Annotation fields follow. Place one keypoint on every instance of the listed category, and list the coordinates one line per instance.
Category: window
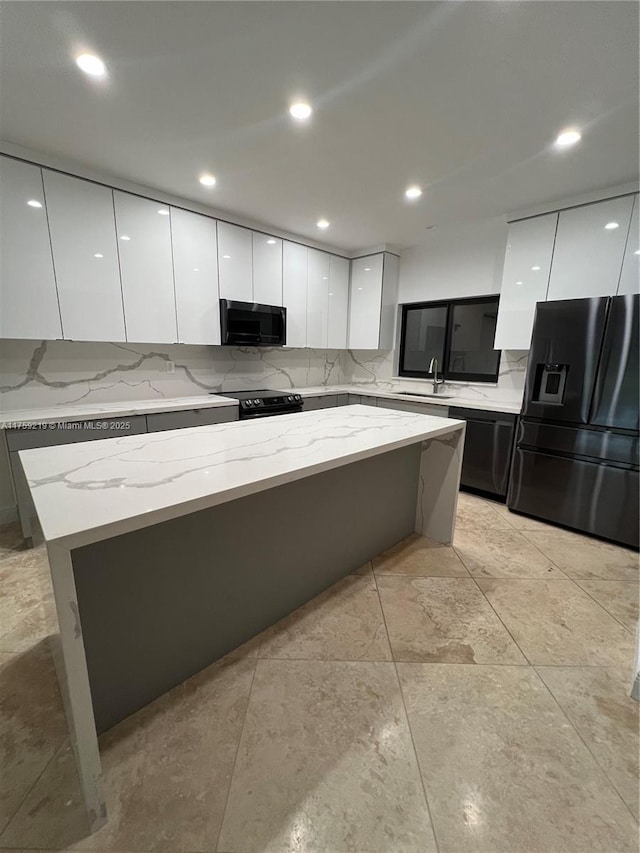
(459, 333)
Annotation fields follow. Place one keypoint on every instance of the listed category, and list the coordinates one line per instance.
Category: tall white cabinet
(28, 296)
(374, 294)
(338, 309)
(590, 242)
(146, 267)
(85, 257)
(630, 275)
(318, 268)
(267, 269)
(195, 269)
(525, 279)
(235, 262)
(294, 292)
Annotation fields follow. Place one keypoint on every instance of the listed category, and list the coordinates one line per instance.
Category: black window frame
(447, 375)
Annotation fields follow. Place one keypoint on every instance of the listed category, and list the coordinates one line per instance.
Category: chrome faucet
(433, 369)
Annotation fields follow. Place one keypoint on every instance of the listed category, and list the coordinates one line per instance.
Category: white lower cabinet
(85, 257)
(318, 268)
(195, 269)
(525, 279)
(337, 320)
(630, 275)
(294, 292)
(267, 269)
(146, 268)
(235, 262)
(28, 296)
(589, 249)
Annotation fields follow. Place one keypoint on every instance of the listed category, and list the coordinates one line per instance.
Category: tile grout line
(583, 741)
(482, 592)
(605, 580)
(406, 715)
(235, 757)
(28, 792)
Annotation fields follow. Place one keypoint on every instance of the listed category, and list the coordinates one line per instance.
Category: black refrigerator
(575, 458)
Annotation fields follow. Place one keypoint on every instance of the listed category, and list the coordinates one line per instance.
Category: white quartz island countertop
(93, 490)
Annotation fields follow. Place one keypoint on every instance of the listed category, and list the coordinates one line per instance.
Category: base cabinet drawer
(416, 408)
(326, 401)
(49, 435)
(160, 421)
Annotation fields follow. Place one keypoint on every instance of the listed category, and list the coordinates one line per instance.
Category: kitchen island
(168, 550)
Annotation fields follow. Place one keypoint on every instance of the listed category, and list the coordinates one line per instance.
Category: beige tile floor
(472, 699)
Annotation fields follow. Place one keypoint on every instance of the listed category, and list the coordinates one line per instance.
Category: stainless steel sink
(432, 396)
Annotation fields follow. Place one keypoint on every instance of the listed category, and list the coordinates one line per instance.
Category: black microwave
(253, 325)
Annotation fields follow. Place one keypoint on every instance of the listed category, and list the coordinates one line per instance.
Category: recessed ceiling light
(207, 180)
(196, 269)
(567, 138)
(98, 255)
(163, 212)
(331, 294)
(535, 269)
(359, 288)
(226, 257)
(367, 269)
(33, 203)
(518, 282)
(637, 252)
(325, 277)
(271, 242)
(611, 226)
(91, 64)
(413, 192)
(125, 237)
(322, 223)
(300, 111)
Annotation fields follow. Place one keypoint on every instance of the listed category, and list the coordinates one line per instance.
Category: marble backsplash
(39, 374)
(51, 373)
(377, 368)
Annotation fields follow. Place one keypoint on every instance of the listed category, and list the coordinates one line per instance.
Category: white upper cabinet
(195, 270)
(294, 292)
(630, 276)
(366, 302)
(28, 296)
(525, 279)
(338, 303)
(267, 269)
(146, 269)
(85, 257)
(589, 249)
(318, 267)
(235, 262)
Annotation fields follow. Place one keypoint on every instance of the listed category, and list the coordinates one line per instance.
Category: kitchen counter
(86, 411)
(168, 550)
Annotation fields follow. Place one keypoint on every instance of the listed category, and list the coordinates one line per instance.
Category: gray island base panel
(145, 602)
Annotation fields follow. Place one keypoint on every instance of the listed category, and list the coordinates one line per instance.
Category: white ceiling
(464, 98)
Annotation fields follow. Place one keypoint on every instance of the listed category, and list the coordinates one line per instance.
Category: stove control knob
(298, 398)
(290, 398)
(257, 402)
(249, 403)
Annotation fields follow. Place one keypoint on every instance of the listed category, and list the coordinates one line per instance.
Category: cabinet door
(366, 301)
(317, 298)
(267, 269)
(326, 401)
(338, 303)
(630, 276)
(28, 299)
(294, 292)
(85, 256)
(525, 279)
(195, 269)
(235, 262)
(146, 269)
(587, 258)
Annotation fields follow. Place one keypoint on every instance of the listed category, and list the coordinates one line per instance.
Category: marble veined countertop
(93, 490)
(129, 408)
